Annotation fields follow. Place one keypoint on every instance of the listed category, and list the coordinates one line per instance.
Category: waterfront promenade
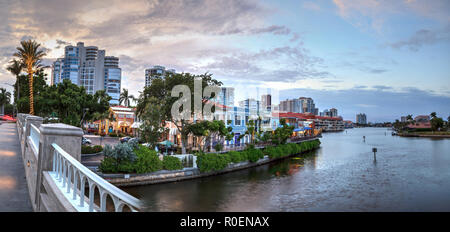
(14, 196)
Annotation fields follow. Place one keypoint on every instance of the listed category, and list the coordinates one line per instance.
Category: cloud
(280, 63)
(373, 14)
(179, 34)
(274, 29)
(381, 87)
(423, 37)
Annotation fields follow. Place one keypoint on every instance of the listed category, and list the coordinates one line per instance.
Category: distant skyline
(379, 57)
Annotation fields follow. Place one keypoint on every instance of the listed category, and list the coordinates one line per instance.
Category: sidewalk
(14, 196)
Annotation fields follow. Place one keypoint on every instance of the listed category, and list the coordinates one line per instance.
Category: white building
(155, 72)
(90, 68)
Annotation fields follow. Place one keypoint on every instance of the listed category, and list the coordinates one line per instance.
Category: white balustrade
(34, 137)
(71, 176)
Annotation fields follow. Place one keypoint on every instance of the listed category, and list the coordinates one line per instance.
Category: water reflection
(411, 174)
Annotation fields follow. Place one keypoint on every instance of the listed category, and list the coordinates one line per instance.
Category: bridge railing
(71, 177)
(34, 137)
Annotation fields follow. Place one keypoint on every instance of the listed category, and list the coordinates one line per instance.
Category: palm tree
(5, 97)
(124, 97)
(433, 115)
(16, 68)
(30, 55)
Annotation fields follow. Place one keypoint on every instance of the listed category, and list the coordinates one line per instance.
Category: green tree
(30, 55)
(5, 98)
(205, 131)
(436, 123)
(152, 127)
(282, 134)
(125, 97)
(433, 114)
(161, 89)
(15, 67)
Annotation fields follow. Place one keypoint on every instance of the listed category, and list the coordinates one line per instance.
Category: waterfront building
(333, 112)
(422, 118)
(266, 102)
(89, 67)
(156, 72)
(123, 120)
(361, 119)
(312, 122)
(299, 105)
(348, 124)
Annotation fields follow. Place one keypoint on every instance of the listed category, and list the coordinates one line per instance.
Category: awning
(298, 129)
(124, 123)
(173, 131)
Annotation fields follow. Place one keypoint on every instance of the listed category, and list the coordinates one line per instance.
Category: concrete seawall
(165, 176)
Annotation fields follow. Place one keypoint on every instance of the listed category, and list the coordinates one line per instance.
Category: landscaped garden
(132, 157)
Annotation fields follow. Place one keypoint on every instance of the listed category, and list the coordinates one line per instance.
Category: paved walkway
(14, 196)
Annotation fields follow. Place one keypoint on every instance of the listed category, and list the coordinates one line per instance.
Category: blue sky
(384, 58)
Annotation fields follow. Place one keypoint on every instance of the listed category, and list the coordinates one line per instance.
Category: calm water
(411, 174)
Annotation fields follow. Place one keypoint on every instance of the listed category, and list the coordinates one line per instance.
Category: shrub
(147, 160)
(218, 147)
(97, 148)
(171, 163)
(86, 149)
(272, 152)
(108, 165)
(91, 149)
(235, 156)
(121, 152)
(254, 154)
(112, 134)
(133, 143)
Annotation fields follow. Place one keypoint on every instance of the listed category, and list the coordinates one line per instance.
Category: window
(237, 120)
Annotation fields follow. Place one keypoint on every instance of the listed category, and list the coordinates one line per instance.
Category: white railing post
(105, 189)
(29, 119)
(68, 138)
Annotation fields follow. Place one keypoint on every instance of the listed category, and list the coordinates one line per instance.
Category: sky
(385, 58)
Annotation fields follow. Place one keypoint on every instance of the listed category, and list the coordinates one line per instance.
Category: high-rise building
(361, 119)
(90, 68)
(299, 105)
(266, 102)
(57, 68)
(333, 112)
(251, 104)
(155, 72)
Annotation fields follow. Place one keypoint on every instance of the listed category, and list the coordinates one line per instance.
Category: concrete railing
(56, 179)
(68, 174)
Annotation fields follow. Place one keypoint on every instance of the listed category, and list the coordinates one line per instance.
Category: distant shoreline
(423, 135)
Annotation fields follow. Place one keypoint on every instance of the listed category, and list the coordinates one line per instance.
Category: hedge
(171, 163)
(91, 149)
(215, 162)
